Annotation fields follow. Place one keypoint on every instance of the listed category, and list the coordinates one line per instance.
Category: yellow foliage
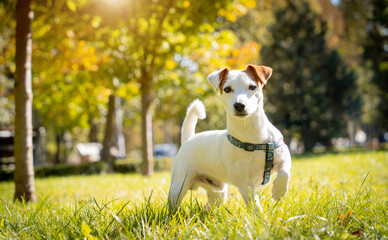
(186, 4)
(170, 64)
(248, 3)
(234, 10)
(129, 89)
(241, 56)
(79, 55)
(81, 44)
(71, 5)
(42, 31)
(174, 76)
(143, 26)
(106, 92)
(96, 21)
(74, 67)
(206, 28)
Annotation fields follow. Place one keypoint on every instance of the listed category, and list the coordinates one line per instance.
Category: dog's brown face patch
(223, 77)
(253, 77)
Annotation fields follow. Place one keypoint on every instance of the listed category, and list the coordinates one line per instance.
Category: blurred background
(112, 79)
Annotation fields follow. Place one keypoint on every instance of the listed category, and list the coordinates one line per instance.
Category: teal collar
(251, 146)
(268, 147)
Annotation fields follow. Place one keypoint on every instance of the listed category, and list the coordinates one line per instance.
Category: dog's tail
(196, 110)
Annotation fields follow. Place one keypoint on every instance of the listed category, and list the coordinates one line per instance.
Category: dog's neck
(252, 129)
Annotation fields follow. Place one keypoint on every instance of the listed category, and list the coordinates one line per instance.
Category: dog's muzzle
(239, 109)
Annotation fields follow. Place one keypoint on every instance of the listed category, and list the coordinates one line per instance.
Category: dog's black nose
(239, 107)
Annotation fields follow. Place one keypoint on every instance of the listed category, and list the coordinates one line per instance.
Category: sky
(335, 2)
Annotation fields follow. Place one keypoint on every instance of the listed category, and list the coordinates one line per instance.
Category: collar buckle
(248, 147)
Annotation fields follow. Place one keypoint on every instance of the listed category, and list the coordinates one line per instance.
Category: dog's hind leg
(180, 184)
(216, 196)
(250, 198)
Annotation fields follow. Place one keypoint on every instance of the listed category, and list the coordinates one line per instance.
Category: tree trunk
(23, 145)
(108, 138)
(93, 131)
(59, 142)
(119, 138)
(147, 167)
(352, 131)
(307, 140)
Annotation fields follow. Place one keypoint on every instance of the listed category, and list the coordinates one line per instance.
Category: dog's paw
(279, 189)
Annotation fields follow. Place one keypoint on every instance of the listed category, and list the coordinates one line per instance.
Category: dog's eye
(228, 89)
(252, 87)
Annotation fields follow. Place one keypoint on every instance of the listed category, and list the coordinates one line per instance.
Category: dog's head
(241, 90)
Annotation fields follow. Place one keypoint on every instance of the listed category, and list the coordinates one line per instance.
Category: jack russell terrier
(242, 155)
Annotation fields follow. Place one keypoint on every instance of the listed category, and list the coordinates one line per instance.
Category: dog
(243, 155)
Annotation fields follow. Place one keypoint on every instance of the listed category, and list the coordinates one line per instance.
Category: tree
(355, 16)
(311, 88)
(363, 47)
(23, 146)
(7, 54)
(155, 32)
(80, 47)
(376, 55)
(108, 136)
(350, 46)
(71, 83)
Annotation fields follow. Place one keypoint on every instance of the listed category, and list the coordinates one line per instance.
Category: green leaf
(85, 229)
(71, 5)
(42, 31)
(96, 21)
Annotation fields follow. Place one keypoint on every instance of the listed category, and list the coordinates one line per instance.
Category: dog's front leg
(280, 185)
(250, 198)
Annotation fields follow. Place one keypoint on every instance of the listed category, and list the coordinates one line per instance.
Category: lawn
(331, 196)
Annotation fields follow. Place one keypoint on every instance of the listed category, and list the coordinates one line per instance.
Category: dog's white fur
(209, 160)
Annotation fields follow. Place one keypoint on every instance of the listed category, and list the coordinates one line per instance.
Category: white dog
(242, 155)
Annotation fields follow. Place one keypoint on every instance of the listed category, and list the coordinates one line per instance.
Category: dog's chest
(245, 168)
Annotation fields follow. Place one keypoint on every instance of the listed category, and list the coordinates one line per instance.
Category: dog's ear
(260, 73)
(218, 78)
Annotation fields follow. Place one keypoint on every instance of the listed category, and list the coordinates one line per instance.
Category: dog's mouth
(241, 114)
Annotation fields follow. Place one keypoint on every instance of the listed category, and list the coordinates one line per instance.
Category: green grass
(331, 196)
